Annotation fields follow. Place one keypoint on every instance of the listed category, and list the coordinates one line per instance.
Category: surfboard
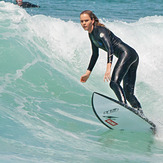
(118, 116)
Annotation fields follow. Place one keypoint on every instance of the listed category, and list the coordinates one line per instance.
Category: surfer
(25, 4)
(126, 65)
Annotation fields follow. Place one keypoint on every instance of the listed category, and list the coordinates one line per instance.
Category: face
(86, 22)
(18, 1)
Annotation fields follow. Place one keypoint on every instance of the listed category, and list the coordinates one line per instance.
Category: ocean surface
(45, 111)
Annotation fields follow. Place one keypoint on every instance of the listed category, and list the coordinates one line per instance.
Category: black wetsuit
(28, 5)
(125, 68)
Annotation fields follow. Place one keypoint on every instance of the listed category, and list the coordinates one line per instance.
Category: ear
(93, 21)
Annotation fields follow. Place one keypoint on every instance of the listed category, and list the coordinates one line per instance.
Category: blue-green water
(45, 112)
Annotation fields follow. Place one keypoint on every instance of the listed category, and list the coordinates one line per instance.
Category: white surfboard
(118, 116)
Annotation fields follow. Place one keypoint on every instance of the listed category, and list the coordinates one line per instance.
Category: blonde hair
(93, 16)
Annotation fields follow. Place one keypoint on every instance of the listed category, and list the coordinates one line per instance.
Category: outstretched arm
(95, 54)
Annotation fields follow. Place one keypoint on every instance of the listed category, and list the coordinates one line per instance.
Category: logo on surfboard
(110, 119)
(111, 111)
(111, 122)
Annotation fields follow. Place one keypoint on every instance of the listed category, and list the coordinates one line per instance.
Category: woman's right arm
(94, 57)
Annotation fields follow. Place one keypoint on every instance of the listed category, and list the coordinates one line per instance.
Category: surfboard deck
(118, 116)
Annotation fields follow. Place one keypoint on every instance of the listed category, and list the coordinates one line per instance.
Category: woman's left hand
(107, 76)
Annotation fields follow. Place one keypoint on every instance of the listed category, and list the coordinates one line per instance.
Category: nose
(83, 22)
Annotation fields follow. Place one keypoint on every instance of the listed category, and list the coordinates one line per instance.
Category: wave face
(45, 112)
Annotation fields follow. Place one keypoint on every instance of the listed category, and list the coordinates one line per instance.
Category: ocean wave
(42, 59)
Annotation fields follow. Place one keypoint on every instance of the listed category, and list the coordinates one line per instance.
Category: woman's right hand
(84, 77)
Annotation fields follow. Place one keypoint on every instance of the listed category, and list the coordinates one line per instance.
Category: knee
(113, 84)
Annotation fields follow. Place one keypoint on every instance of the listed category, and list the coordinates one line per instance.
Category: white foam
(63, 113)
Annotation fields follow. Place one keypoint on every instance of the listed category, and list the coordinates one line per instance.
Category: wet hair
(92, 16)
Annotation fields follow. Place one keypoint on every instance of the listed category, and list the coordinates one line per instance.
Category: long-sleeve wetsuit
(125, 68)
(28, 5)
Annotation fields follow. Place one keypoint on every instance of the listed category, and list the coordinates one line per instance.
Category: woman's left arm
(105, 38)
(108, 46)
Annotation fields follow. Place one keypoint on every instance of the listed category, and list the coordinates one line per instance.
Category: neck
(89, 31)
